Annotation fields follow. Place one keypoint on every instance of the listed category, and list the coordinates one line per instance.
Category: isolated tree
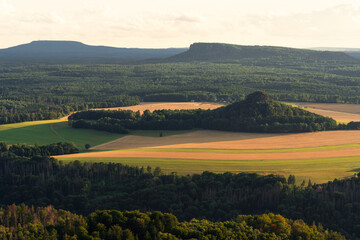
(87, 146)
(291, 179)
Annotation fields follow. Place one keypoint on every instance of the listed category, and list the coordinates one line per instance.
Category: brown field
(339, 112)
(151, 106)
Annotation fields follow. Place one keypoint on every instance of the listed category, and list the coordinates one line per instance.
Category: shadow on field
(196, 137)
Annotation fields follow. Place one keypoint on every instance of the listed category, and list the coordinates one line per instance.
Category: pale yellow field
(206, 139)
(152, 106)
(321, 156)
(339, 112)
(235, 140)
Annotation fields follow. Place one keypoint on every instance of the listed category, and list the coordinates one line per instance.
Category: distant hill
(218, 52)
(70, 51)
(77, 52)
(353, 52)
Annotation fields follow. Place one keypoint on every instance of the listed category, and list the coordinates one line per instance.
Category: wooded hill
(257, 113)
(218, 52)
(67, 52)
(36, 91)
(23, 222)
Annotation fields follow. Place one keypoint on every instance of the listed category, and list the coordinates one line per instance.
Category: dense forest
(257, 113)
(25, 150)
(34, 92)
(86, 187)
(23, 222)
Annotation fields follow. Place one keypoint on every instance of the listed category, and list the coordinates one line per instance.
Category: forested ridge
(221, 52)
(35, 92)
(23, 222)
(86, 187)
(257, 113)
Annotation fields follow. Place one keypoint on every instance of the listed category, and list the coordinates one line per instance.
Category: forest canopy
(24, 222)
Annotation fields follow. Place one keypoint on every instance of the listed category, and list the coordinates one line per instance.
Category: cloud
(188, 18)
(6, 7)
(337, 25)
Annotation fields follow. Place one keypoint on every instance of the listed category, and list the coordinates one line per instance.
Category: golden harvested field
(224, 156)
(321, 156)
(337, 107)
(151, 106)
(339, 112)
(235, 140)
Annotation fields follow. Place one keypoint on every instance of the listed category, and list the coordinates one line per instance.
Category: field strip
(210, 150)
(219, 155)
(4, 127)
(336, 107)
(342, 113)
(152, 106)
(209, 139)
(318, 169)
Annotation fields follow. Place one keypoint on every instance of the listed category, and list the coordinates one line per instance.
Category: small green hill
(218, 52)
(257, 113)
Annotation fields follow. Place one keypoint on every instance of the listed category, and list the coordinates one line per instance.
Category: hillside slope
(71, 50)
(218, 52)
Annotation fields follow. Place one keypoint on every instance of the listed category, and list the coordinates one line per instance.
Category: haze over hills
(354, 52)
(77, 51)
(217, 52)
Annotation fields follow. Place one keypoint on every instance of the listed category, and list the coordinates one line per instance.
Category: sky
(166, 23)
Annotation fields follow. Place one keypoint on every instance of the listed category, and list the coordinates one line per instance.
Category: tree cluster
(23, 222)
(25, 150)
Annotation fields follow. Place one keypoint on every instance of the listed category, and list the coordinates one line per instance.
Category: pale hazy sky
(169, 23)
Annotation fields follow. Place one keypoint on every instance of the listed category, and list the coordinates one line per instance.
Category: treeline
(13, 111)
(86, 187)
(23, 222)
(25, 150)
(257, 113)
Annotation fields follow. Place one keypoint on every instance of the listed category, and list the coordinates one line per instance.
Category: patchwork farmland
(320, 156)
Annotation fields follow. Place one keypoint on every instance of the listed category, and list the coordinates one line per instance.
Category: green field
(46, 132)
(156, 133)
(53, 131)
(318, 170)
